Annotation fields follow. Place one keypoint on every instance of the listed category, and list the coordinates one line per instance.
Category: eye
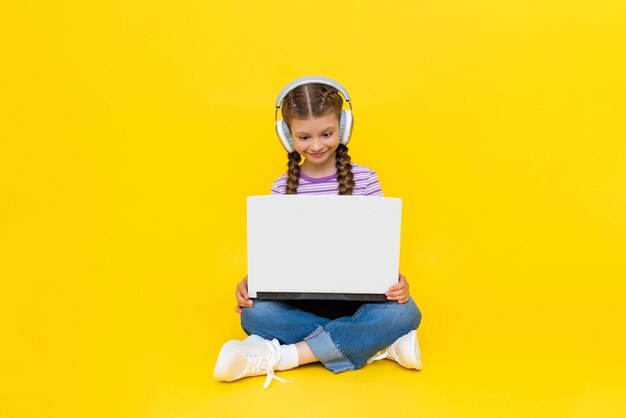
(303, 138)
(328, 134)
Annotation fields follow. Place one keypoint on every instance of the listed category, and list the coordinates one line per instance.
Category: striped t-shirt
(365, 183)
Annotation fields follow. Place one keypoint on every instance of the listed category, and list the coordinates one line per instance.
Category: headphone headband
(310, 80)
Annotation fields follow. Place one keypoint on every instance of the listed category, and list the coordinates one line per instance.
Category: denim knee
(258, 314)
(407, 315)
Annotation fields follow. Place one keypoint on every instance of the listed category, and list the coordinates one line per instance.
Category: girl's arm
(399, 291)
(242, 295)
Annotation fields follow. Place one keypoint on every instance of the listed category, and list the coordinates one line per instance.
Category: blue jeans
(341, 344)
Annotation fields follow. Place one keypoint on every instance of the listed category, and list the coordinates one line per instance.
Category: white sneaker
(405, 350)
(253, 356)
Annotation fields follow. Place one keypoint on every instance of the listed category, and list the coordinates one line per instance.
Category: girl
(342, 335)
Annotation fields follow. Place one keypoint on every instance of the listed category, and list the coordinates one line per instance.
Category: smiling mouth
(318, 154)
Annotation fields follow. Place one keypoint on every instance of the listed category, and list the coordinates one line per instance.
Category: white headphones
(346, 120)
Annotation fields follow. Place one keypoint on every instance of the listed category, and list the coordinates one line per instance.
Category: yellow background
(131, 133)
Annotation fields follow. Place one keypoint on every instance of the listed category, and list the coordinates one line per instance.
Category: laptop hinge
(363, 297)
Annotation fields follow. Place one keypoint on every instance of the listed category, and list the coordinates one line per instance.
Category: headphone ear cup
(346, 120)
(284, 134)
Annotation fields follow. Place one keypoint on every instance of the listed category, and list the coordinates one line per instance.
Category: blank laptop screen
(323, 247)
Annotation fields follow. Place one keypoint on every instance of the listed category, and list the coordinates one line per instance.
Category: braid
(293, 173)
(311, 100)
(328, 99)
(345, 178)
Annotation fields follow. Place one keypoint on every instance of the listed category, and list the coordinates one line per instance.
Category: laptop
(323, 247)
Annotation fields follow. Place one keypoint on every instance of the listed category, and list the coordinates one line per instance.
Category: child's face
(316, 139)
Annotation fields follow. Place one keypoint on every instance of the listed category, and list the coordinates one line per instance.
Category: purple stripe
(318, 179)
(366, 183)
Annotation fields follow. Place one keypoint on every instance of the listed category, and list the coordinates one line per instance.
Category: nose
(317, 145)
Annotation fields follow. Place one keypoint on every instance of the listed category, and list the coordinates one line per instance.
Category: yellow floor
(493, 368)
(156, 360)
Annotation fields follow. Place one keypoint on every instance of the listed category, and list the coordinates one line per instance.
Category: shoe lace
(259, 363)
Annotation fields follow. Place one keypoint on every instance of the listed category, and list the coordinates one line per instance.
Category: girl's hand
(400, 291)
(242, 295)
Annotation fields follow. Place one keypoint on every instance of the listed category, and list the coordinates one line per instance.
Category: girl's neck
(317, 170)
